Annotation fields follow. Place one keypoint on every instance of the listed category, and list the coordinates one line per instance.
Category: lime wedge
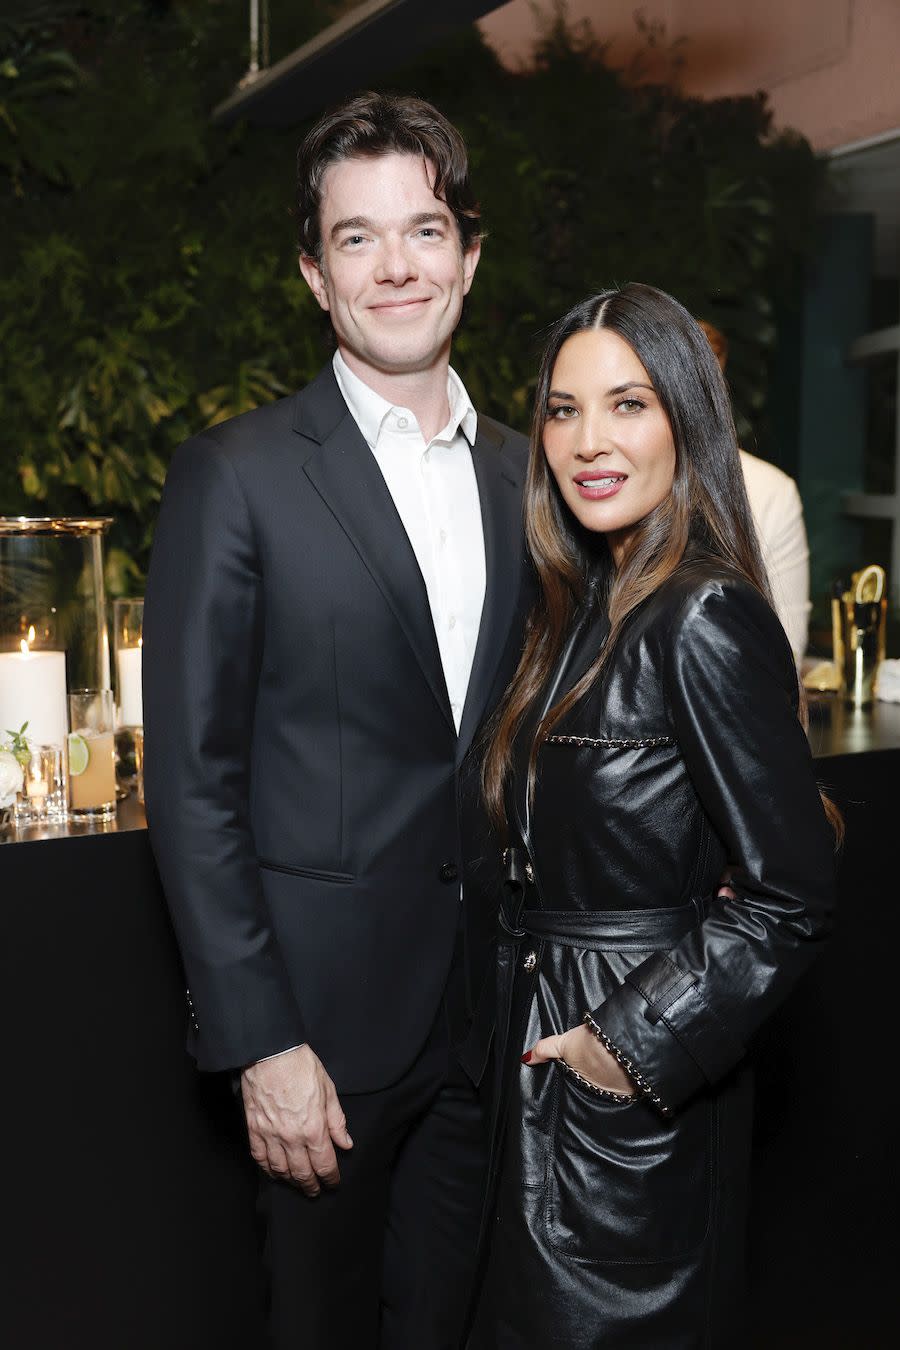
(79, 754)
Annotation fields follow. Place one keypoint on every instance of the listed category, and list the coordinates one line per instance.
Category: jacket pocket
(624, 1186)
(315, 873)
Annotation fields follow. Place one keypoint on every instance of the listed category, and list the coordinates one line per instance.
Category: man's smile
(400, 306)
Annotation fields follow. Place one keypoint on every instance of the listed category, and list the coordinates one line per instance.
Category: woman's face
(607, 440)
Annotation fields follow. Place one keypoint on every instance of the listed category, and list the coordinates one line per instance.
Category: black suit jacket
(302, 767)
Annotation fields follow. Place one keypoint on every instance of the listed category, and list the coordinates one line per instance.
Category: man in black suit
(335, 603)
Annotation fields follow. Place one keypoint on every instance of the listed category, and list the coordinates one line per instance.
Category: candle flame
(30, 634)
(24, 647)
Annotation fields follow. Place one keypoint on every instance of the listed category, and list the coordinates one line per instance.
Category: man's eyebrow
(416, 221)
(351, 223)
(426, 217)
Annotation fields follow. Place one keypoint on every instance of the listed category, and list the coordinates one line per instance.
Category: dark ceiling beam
(370, 40)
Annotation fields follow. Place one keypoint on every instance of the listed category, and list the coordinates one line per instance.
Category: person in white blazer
(778, 517)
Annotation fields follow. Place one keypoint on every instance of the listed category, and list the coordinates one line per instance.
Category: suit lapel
(346, 475)
(500, 493)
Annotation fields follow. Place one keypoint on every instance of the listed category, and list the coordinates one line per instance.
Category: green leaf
(31, 482)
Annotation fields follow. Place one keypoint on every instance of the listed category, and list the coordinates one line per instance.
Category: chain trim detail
(647, 742)
(643, 1087)
(621, 1098)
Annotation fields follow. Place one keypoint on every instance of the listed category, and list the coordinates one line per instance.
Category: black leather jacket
(622, 1225)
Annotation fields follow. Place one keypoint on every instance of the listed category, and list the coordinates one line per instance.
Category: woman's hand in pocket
(582, 1051)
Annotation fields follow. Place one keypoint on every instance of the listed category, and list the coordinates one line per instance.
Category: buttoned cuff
(664, 1029)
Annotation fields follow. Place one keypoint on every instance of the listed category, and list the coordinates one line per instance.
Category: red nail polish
(526, 1058)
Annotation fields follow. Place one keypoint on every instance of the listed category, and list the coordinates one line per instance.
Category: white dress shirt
(778, 517)
(436, 495)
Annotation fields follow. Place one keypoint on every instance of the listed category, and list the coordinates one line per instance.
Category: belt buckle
(516, 934)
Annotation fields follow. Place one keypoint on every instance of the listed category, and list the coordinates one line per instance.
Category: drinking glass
(92, 754)
(139, 762)
(44, 793)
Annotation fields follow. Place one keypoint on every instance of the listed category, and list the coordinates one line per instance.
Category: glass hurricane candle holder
(53, 633)
(128, 642)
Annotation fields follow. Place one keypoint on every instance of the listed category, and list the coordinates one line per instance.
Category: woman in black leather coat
(649, 741)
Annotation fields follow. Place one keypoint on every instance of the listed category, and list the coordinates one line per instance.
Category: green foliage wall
(149, 282)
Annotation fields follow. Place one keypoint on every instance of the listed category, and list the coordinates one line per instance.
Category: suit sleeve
(682, 1019)
(203, 631)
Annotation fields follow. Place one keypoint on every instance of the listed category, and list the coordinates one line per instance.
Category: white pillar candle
(33, 690)
(131, 693)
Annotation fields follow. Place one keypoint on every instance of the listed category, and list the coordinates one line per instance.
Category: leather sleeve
(685, 1017)
(203, 627)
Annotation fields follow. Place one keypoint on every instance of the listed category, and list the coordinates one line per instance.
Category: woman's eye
(630, 404)
(562, 412)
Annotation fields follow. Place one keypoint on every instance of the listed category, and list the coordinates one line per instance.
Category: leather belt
(598, 929)
(610, 929)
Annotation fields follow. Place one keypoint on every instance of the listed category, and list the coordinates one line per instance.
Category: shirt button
(452, 621)
(402, 423)
(443, 536)
(448, 872)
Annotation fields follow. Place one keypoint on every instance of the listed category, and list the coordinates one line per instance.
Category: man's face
(393, 275)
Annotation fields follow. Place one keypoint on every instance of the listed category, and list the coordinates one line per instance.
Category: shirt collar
(369, 409)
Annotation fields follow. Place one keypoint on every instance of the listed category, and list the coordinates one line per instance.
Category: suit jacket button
(449, 872)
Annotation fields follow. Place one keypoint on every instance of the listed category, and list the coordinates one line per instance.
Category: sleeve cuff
(644, 1089)
(278, 1053)
(662, 1027)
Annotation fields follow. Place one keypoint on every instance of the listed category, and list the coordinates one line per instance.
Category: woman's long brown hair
(706, 515)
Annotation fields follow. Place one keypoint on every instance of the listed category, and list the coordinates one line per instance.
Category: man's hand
(294, 1119)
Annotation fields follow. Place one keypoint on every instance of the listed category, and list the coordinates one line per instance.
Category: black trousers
(386, 1260)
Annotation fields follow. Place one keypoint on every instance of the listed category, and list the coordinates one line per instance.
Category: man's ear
(312, 275)
(470, 262)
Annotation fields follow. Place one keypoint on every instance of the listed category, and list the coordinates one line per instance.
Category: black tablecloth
(128, 1194)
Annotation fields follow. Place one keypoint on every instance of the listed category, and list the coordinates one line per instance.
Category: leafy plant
(31, 76)
(19, 746)
(149, 284)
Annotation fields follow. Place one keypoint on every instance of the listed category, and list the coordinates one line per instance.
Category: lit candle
(33, 690)
(131, 693)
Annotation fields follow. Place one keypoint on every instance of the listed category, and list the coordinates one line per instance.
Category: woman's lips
(600, 486)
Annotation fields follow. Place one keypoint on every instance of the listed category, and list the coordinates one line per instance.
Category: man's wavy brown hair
(370, 125)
